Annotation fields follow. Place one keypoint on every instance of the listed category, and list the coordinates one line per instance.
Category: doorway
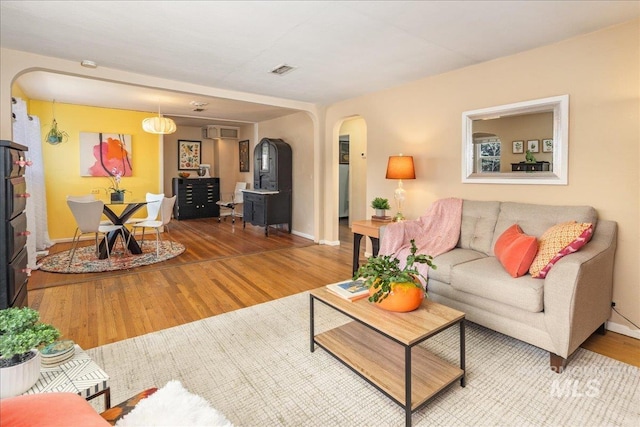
(343, 177)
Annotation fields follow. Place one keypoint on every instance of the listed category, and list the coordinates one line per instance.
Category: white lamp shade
(159, 125)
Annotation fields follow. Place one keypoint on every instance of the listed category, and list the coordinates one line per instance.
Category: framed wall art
(344, 152)
(533, 145)
(547, 145)
(189, 154)
(105, 154)
(243, 147)
(517, 147)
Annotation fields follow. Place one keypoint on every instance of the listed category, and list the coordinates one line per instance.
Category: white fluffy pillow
(173, 405)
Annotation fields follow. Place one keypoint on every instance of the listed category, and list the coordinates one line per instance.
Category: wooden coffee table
(380, 346)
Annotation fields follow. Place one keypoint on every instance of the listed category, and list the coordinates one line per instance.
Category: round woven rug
(85, 261)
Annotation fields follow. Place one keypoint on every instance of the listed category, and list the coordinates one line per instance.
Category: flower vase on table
(117, 193)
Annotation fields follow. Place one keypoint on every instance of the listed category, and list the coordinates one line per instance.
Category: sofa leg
(602, 330)
(557, 363)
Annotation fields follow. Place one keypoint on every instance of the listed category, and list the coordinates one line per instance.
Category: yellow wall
(62, 161)
(600, 72)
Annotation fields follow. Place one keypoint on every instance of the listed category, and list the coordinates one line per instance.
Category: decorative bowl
(184, 174)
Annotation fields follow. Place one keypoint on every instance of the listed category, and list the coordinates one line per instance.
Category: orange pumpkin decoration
(404, 297)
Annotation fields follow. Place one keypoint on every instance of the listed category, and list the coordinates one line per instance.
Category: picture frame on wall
(547, 145)
(517, 147)
(344, 153)
(189, 154)
(533, 145)
(243, 155)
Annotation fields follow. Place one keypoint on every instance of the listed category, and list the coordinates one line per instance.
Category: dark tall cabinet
(13, 226)
(269, 202)
(196, 197)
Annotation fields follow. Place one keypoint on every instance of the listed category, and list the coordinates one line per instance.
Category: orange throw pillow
(516, 250)
(558, 241)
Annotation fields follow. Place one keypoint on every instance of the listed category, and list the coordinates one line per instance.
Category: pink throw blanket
(435, 233)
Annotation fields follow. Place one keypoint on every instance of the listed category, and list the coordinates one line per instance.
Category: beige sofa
(557, 313)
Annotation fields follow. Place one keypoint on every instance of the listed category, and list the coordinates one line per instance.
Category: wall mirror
(522, 143)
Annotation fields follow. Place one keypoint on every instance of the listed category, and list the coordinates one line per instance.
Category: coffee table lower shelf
(381, 361)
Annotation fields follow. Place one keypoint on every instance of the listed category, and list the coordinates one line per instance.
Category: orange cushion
(49, 410)
(515, 250)
(558, 241)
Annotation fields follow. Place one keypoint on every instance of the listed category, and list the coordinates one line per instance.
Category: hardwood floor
(224, 268)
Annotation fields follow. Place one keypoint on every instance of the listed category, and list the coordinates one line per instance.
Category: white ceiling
(341, 49)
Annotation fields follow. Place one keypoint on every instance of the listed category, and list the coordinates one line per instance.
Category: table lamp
(400, 167)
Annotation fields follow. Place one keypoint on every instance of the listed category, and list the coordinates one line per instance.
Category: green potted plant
(394, 288)
(20, 335)
(56, 136)
(380, 205)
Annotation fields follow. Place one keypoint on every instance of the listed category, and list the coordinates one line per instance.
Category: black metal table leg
(357, 238)
(311, 326)
(463, 380)
(407, 385)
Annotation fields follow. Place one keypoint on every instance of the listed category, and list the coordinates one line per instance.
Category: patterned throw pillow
(515, 250)
(558, 241)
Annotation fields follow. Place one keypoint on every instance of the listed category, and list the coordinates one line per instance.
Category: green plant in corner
(20, 331)
(383, 272)
(380, 203)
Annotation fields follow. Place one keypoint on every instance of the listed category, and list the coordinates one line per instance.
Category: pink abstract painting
(102, 153)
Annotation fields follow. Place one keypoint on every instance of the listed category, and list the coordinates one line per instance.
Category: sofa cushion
(558, 241)
(536, 219)
(487, 278)
(478, 223)
(516, 250)
(448, 260)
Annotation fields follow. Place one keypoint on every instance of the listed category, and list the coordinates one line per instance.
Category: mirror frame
(559, 176)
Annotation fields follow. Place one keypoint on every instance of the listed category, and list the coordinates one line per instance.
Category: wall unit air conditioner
(220, 132)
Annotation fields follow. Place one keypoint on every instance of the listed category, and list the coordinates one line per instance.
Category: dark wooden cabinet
(269, 202)
(530, 167)
(196, 197)
(13, 226)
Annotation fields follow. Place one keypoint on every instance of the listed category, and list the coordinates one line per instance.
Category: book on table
(350, 290)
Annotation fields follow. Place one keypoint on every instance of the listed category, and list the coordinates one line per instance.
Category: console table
(530, 167)
(370, 228)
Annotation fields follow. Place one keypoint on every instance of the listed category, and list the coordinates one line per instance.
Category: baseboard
(623, 329)
(329, 242)
(306, 236)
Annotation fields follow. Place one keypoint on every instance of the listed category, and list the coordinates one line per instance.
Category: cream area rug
(255, 367)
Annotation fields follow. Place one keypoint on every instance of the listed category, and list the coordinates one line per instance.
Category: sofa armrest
(578, 289)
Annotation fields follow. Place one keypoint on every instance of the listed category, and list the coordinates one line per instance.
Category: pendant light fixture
(159, 125)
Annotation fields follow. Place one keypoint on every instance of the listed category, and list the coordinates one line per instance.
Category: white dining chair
(166, 210)
(87, 215)
(89, 198)
(153, 208)
(231, 205)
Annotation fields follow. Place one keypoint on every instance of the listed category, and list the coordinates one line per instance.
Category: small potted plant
(380, 205)
(117, 193)
(20, 335)
(391, 287)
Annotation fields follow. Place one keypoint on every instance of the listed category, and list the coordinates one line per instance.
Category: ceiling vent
(220, 132)
(282, 69)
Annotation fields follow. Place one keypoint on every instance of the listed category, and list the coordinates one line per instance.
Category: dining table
(131, 207)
